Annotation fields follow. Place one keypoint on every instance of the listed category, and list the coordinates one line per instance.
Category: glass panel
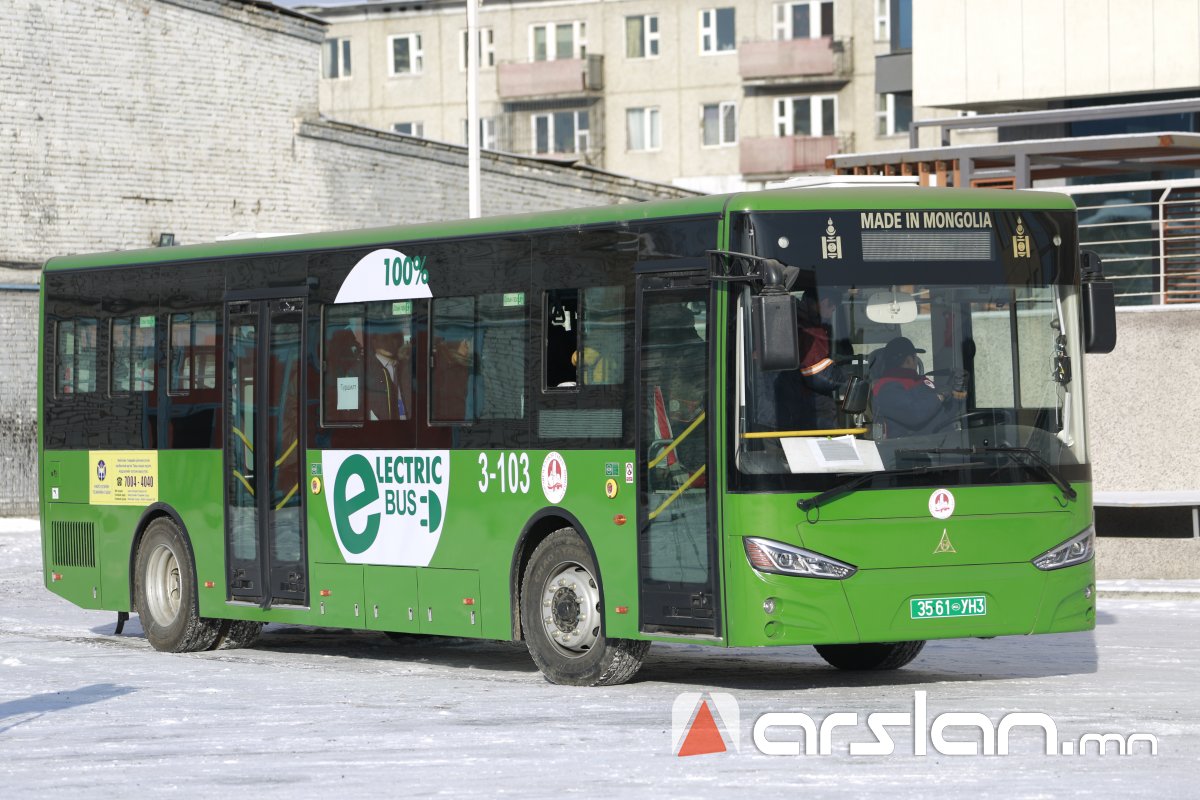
(729, 123)
(726, 32)
(242, 479)
(65, 358)
(85, 356)
(655, 129)
(387, 351)
(453, 358)
(802, 117)
(283, 418)
(828, 116)
(343, 365)
(674, 378)
(498, 376)
(564, 131)
(635, 128)
(826, 19)
(400, 55)
(601, 355)
(541, 133)
(903, 111)
(711, 124)
(120, 345)
(539, 43)
(330, 66)
(564, 39)
(635, 42)
(561, 339)
(345, 58)
(800, 21)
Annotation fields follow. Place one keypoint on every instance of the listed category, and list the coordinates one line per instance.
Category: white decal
(385, 275)
(941, 504)
(554, 477)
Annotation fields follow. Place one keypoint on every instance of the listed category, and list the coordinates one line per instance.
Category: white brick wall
(126, 118)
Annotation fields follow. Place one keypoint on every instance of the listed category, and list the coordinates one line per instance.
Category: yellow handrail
(287, 497)
(287, 452)
(793, 434)
(667, 450)
(675, 495)
(245, 482)
(245, 441)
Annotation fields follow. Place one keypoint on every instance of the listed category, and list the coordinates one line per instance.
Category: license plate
(939, 607)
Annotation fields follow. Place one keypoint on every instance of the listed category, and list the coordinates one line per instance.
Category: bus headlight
(1076, 550)
(783, 559)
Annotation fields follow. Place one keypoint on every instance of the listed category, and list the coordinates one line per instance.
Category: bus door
(677, 561)
(264, 452)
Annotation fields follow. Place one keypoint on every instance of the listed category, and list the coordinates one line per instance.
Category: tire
(237, 633)
(891, 655)
(560, 594)
(165, 592)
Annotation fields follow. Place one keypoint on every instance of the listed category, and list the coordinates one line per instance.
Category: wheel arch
(153, 512)
(536, 529)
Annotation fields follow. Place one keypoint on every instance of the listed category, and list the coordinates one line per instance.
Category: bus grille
(74, 544)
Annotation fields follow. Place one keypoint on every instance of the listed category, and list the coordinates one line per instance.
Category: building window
(487, 49)
(407, 56)
(900, 25)
(410, 128)
(644, 129)
(552, 41)
(893, 113)
(883, 20)
(719, 122)
(560, 132)
(487, 133)
(809, 19)
(815, 115)
(337, 58)
(641, 36)
(718, 32)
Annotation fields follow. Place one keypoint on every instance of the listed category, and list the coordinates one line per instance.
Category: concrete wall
(1143, 403)
(1025, 52)
(123, 119)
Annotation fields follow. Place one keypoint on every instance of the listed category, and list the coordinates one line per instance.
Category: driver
(907, 402)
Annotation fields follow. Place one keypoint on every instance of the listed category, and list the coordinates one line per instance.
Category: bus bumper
(874, 605)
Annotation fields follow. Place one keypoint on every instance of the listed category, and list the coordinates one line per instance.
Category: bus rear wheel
(889, 655)
(562, 618)
(165, 593)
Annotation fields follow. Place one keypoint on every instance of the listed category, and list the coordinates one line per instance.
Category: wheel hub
(571, 609)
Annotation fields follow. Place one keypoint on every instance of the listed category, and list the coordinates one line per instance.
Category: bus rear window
(75, 357)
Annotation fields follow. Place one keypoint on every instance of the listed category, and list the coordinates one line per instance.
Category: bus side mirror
(1099, 306)
(775, 321)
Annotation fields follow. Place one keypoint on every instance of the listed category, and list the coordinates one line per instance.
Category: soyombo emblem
(387, 507)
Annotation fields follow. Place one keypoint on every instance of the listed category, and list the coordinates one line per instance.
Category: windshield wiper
(1037, 463)
(847, 486)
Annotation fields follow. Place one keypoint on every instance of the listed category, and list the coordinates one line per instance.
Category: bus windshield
(978, 375)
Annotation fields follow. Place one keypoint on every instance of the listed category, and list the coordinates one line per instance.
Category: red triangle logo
(703, 737)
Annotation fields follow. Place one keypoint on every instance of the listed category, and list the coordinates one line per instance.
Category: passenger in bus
(385, 377)
(807, 398)
(906, 402)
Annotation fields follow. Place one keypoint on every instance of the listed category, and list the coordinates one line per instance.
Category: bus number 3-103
(511, 471)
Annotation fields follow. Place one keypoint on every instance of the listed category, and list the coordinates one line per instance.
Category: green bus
(843, 417)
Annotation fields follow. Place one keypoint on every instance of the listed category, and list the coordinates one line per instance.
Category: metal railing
(1148, 235)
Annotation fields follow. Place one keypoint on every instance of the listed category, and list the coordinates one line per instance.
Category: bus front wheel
(165, 593)
(562, 618)
(889, 655)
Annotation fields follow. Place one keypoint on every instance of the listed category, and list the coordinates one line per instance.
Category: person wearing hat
(907, 402)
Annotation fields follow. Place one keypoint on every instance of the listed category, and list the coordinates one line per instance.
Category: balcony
(778, 156)
(792, 62)
(565, 77)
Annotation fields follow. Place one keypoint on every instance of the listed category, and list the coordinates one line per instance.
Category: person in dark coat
(906, 402)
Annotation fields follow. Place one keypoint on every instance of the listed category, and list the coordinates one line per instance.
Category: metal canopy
(1022, 163)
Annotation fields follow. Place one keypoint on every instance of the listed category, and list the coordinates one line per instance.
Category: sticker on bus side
(387, 506)
(123, 477)
(385, 275)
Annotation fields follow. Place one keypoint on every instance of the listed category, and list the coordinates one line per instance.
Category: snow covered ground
(309, 713)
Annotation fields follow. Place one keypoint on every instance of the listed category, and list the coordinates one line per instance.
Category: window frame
(650, 115)
(59, 384)
(129, 357)
(416, 55)
(883, 20)
(582, 135)
(651, 39)
(487, 132)
(416, 129)
(712, 30)
(335, 58)
(487, 49)
(784, 123)
(193, 384)
(721, 140)
(782, 20)
(578, 40)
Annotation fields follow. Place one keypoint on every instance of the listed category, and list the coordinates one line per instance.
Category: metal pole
(473, 209)
(1162, 247)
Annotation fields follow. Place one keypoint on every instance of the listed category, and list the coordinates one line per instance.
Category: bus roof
(794, 199)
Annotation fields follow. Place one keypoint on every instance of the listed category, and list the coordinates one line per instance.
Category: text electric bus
(850, 418)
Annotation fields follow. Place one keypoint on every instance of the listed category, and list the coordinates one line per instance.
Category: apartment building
(713, 95)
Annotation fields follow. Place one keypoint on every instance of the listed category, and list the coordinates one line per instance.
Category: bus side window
(561, 339)
(343, 364)
(75, 356)
(600, 358)
(193, 364)
(479, 357)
